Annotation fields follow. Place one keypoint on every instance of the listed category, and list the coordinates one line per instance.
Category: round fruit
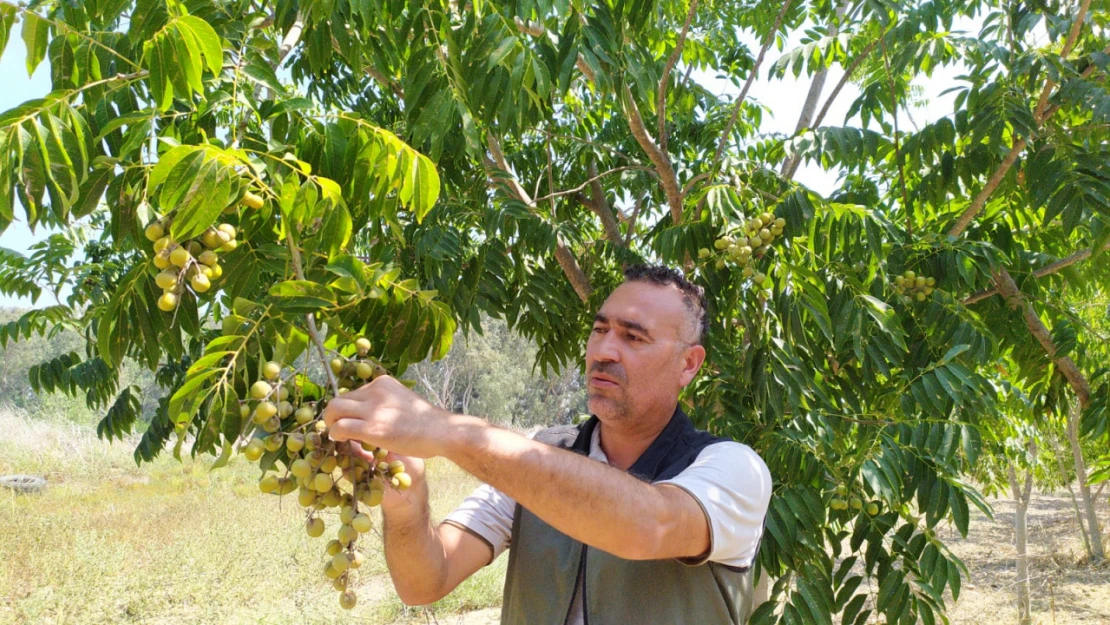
(362, 523)
(920, 296)
(362, 345)
(167, 302)
(268, 484)
(333, 548)
(166, 280)
(261, 390)
(336, 365)
(273, 424)
(162, 259)
(330, 571)
(264, 411)
(208, 258)
(251, 200)
(306, 497)
(340, 583)
(373, 497)
(322, 482)
(347, 535)
(347, 600)
(300, 467)
(304, 414)
(211, 239)
(759, 278)
(346, 514)
(180, 256)
(314, 527)
(229, 246)
(838, 504)
(200, 283)
(841, 490)
(856, 503)
(720, 264)
(899, 281)
(909, 275)
(919, 282)
(283, 393)
(357, 558)
(154, 231)
(364, 370)
(340, 562)
(215, 272)
(244, 410)
(331, 499)
(928, 291)
(228, 229)
(162, 244)
(328, 464)
(780, 223)
(872, 509)
(930, 281)
(271, 370)
(274, 442)
(401, 481)
(704, 252)
(312, 441)
(295, 442)
(253, 450)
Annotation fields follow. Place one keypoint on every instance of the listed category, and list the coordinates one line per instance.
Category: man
(632, 517)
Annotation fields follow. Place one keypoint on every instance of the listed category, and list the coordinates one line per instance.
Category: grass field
(172, 543)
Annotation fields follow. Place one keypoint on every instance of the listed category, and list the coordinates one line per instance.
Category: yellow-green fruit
(333, 548)
(283, 393)
(720, 264)
(200, 283)
(180, 256)
(362, 523)
(381, 453)
(207, 272)
(748, 272)
(396, 467)
(346, 514)
(780, 223)
(312, 441)
(841, 490)
(383, 467)
(273, 424)
(838, 504)
(357, 558)
(765, 234)
(244, 410)
(331, 499)
(928, 291)
(759, 277)
(264, 411)
(208, 258)
(215, 272)
(401, 481)
(254, 450)
(340, 583)
(211, 238)
(330, 572)
(194, 247)
(162, 244)
(154, 231)
(260, 390)
(162, 259)
(251, 200)
(899, 281)
(285, 409)
(872, 509)
(314, 527)
(227, 229)
(362, 345)
(274, 442)
(364, 370)
(347, 535)
(286, 486)
(766, 218)
(271, 370)
(166, 280)
(704, 252)
(304, 414)
(300, 467)
(167, 302)
(856, 503)
(328, 464)
(920, 296)
(930, 281)
(336, 365)
(320, 427)
(372, 497)
(919, 282)
(340, 562)
(268, 484)
(306, 497)
(720, 244)
(229, 246)
(909, 275)
(347, 600)
(322, 482)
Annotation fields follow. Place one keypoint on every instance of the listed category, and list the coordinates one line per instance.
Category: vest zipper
(581, 576)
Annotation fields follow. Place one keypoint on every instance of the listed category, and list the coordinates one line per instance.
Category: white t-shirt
(729, 480)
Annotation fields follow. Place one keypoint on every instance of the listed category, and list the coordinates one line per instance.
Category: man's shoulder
(557, 435)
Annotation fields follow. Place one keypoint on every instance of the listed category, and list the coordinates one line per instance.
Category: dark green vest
(544, 564)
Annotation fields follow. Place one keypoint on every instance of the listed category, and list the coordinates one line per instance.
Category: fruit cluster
(194, 261)
(838, 502)
(323, 472)
(912, 285)
(760, 232)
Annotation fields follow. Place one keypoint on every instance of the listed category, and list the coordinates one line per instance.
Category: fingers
(350, 430)
(358, 451)
(341, 408)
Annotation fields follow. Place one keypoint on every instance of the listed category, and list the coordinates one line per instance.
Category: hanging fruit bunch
(744, 248)
(909, 284)
(323, 472)
(195, 262)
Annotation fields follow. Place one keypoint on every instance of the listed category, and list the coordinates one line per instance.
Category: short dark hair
(693, 296)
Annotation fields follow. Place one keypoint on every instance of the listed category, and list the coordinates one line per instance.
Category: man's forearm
(586, 500)
(413, 552)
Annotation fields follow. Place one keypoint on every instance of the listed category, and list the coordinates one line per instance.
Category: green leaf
(207, 40)
(7, 19)
(302, 296)
(36, 36)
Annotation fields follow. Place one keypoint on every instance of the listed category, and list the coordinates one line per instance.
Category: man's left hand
(387, 414)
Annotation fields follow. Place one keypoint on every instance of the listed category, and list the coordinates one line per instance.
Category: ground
(173, 542)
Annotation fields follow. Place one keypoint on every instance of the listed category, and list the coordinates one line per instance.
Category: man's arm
(587, 500)
(425, 562)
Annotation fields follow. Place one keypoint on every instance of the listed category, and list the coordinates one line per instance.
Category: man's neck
(624, 445)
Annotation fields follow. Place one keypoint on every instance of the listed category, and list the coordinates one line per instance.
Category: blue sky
(784, 98)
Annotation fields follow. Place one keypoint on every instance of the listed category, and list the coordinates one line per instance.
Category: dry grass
(109, 542)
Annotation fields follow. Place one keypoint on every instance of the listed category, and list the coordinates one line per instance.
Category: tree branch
(1042, 272)
(592, 182)
(1069, 43)
(1009, 289)
(748, 83)
(664, 80)
(632, 220)
(658, 157)
(600, 206)
(844, 80)
(578, 278)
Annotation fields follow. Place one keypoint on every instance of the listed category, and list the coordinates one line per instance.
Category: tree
(552, 143)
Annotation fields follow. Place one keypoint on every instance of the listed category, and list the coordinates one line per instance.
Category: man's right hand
(408, 501)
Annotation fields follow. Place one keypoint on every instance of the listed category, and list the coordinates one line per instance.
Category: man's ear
(692, 359)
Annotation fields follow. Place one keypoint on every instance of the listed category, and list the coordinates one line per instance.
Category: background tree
(558, 141)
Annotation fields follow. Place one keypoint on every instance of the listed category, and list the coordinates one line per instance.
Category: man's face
(639, 354)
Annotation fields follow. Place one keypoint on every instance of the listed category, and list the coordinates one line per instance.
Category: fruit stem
(310, 318)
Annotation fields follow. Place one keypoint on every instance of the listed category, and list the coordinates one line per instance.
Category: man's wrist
(465, 434)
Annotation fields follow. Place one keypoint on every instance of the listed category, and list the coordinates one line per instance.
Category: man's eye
(599, 330)
(633, 337)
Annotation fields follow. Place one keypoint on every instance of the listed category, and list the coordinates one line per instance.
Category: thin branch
(591, 181)
(844, 80)
(632, 220)
(1040, 273)
(664, 80)
(690, 183)
(748, 83)
(658, 158)
(1069, 43)
(1009, 289)
(310, 318)
(897, 145)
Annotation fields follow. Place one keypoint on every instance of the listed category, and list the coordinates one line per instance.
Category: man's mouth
(601, 382)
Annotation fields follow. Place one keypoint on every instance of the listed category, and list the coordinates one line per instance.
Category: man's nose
(606, 348)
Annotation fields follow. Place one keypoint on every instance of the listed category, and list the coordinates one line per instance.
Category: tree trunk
(1074, 500)
(1021, 535)
(1097, 553)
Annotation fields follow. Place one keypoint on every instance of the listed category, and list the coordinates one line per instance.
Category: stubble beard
(609, 408)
